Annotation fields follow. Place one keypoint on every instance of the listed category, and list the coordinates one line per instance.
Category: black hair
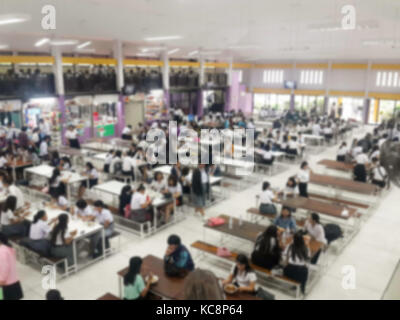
(173, 239)
(11, 204)
(174, 180)
(288, 209)
(264, 241)
(265, 185)
(61, 227)
(242, 259)
(99, 204)
(298, 247)
(39, 215)
(54, 295)
(118, 153)
(315, 217)
(141, 187)
(135, 265)
(157, 174)
(56, 173)
(81, 204)
(90, 165)
(4, 239)
(303, 164)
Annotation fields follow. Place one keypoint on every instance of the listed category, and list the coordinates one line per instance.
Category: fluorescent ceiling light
(42, 42)
(13, 18)
(63, 42)
(88, 50)
(165, 38)
(173, 51)
(84, 45)
(4, 46)
(249, 46)
(143, 54)
(193, 53)
(210, 52)
(151, 49)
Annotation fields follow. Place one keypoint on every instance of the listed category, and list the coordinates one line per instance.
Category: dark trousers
(13, 291)
(341, 158)
(297, 273)
(303, 190)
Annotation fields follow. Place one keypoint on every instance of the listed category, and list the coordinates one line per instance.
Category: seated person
(108, 160)
(342, 152)
(314, 228)
(12, 219)
(174, 190)
(82, 210)
(125, 199)
(266, 198)
(242, 276)
(177, 258)
(293, 146)
(103, 216)
(141, 209)
(202, 285)
(285, 220)
(268, 157)
(290, 189)
(379, 174)
(39, 232)
(93, 178)
(360, 169)
(158, 184)
(134, 286)
(267, 249)
(60, 201)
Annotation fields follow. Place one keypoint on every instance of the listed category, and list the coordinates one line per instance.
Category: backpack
(332, 232)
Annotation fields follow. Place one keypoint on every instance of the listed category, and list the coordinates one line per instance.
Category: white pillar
(58, 70)
(165, 69)
(201, 70)
(119, 68)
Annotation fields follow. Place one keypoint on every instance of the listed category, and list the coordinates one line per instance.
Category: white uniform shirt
(138, 199)
(266, 197)
(39, 230)
(6, 217)
(71, 134)
(16, 192)
(244, 279)
(317, 231)
(362, 158)
(379, 173)
(304, 176)
(43, 149)
(103, 216)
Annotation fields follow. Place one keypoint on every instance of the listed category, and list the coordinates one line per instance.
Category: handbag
(223, 252)
(215, 222)
(127, 211)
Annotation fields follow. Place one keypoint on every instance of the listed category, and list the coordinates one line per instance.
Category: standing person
(23, 139)
(200, 188)
(72, 137)
(296, 257)
(44, 148)
(9, 282)
(304, 177)
(108, 160)
(379, 174)
(134, 286)
(360, 169)
(44, 128)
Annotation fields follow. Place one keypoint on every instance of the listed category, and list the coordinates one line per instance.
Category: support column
(201, 84)
(59, 86)
(165, 77)
(119, 69)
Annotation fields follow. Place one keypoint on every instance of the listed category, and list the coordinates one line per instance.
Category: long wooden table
(250, 231)
(343, 184)
(337, 165)
(326, 208)
(168, 287)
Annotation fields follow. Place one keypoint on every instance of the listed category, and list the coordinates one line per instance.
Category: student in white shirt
(297, 257)
(60, 201)
(158, 183)
(293, 146)
(13, 190)
(93, 178)
(12, 222)
(379, 173)
(314, 228)
(242, 276)
(61, 239)
(104, 217)
(375, 152)
(3, 160)
(43, 150)
(266, 200)
(39, 233)
(303, 177)
(127, 167)
(72, 137)
(127, 133)
(343, 151)
(44, 128)
(82, 210)
(316, 129)
(174, 190)
(116, 163)
(360, 169)
(108, 160)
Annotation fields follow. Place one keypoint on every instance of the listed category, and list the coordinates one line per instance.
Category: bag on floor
(264, 294)
(332, 232)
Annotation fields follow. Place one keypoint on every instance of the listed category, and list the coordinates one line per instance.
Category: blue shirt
(285, 223)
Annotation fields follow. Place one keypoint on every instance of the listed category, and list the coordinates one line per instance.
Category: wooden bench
(256, 212)
(335, 200)
(212, 250)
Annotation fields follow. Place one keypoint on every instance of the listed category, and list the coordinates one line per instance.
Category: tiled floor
(374, 252)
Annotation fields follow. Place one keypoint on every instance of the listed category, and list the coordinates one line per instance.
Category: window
(273, 76)
(311, 77)
(388, 79)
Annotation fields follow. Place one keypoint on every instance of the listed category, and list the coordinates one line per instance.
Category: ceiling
(252, 31)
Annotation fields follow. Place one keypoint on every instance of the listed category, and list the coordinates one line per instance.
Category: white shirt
(266, 197)
(303, 176)
(244, 279)
(362, 158)
(381, 142)
(159, 186)
(317, 231)
(126, 164)
(104, 216)
(177, 189)
(6, 217)
(108, 159)
(87, 212)
(204, 176)
(71, 134)
(375, 154)
(3, 161)
(138, 199)
(356, 151)
(293, 145)
(126, 131)
(43, 149)
(39, 230)
(327, 131)
(16, 192)
(343, 151)
(316, 129)
(296, 261)
(62, 201)
(44, 128)
(379, 173)
(267, 155)
(94, 174)
(35, 137)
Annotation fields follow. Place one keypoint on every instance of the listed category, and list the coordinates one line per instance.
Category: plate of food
(230, 288)
(154, 279)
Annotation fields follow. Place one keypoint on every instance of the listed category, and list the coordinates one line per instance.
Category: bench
(212, 250)
(256, 212)
(335, 200)
(108, 296)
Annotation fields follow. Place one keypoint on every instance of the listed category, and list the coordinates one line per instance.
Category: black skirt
(360, 173)
(379, 183)
(13, 291)
(341, 158)
(74, 143)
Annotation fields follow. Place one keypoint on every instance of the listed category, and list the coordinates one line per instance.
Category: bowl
(154, 279)
(230, 288)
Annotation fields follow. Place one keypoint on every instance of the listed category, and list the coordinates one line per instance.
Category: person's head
(299, 248)
(118, 153)
(98, 205)
(242, 263)
(172, 182)
(314, 218)
(173, 242)
(55, 155)
(4, 240)
(158, 176)
(135, 264)
(40, 215)
(81, 204)
(54, 295)
(10, 204)
(202, 285)
(304, 165)
(265, 185)
(291, 183)
(7, 181)
(286, 212)
(60, 228)
(70, 127)
(185, 171)
(89, 166)
(141, 189)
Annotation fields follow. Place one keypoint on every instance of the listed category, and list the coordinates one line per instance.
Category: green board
(108, 130)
